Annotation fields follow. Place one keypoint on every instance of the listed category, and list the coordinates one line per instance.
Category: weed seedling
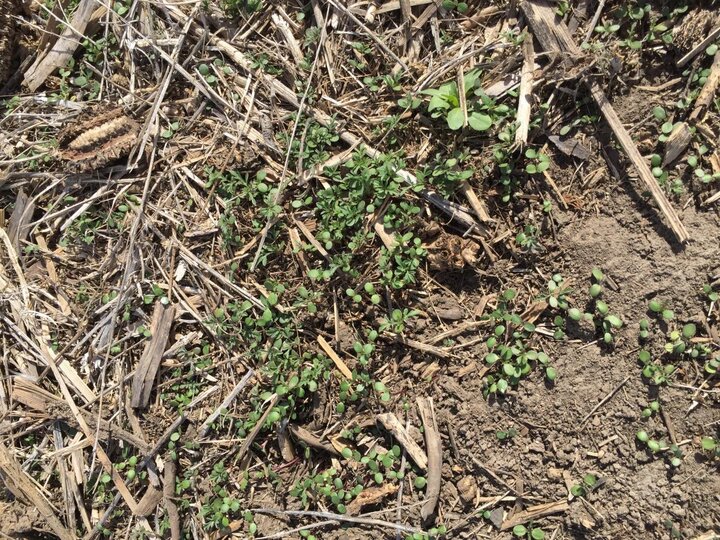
(531, 533)
(657, 307)
(506, 435)
(588, 484)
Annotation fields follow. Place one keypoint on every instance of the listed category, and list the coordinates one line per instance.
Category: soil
(639, 494)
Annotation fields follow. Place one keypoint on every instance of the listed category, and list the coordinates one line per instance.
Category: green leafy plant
(531, 533)
(589, 483)
(654, 446)
(509, 350)
(482, 111)
(606, 323)
(539, 162)
(506, 434)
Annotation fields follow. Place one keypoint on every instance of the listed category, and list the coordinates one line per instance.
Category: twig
(396, 429)
(595, 19)
(168, 499)
(202, 431)
(525, 93)
(254, 433)
(605, 400)
(714, 33)
(337, 517)
(535, 512)
(433, 444)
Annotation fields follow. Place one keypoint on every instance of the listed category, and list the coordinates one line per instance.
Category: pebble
(467, 489)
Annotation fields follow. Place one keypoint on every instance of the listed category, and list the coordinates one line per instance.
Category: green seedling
(672, 452)
(528, 240)
(655, 371)
(557, 293)
(539, 162)
(680, 342)
(460, 7)
(531, 533)
(652, 408)
(398, 320)
(447, 174)
(710, 447)
(508, 348)
(482, 111)
(588, 484)
(504, 435)
(658, 307)
(710, 293)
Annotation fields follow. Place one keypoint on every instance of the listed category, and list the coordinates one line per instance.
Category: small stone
(467, 489)
(536, 446)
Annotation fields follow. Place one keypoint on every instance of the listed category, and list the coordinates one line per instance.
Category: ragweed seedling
(508, 348)
(531, 533)
(658, 307)
(506, 434)
(652, 408)
(588, 484)
(672, 452)
(539, 162)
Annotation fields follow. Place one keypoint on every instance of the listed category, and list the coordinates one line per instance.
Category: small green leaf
(455, 118)
(519, 530)
(590, 480)
(689, 330)
(479, 122)
(708, 443)
(659, 113)
(550, 373)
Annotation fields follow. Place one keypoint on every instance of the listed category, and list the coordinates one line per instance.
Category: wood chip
(144, 379)
(433, 443)
(570, 147)
(391, 422)
(342, 366)
(370, 496)
(709, 89)
(304, 436)
(535, 512)
(677, 142)
(525, 93)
